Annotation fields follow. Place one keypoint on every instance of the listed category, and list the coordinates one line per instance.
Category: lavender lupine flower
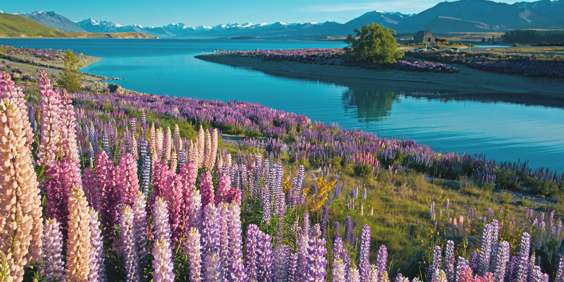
(265, 257)
(252, 251)
(97, 266)
(195, 209)
(53, 266)
(146, 174)
(522, 270)
(449, 261)
(210, 231)
(265, 201)
(280, 232)
(382, 259)
(281, 253)
(128, 247)
(106, 144)
(324, 220)
(93, 139)
(140, 224)
(316, 260)
(348, 230)
(473, 260)
(162, 251)
(437, 263)
(364, 253)
(560, 269)
(236, 269)
(223, 236)
(292, 267)
(501, 261)
(374, 274)
(302, 248)
(193, 250)
(486, 250)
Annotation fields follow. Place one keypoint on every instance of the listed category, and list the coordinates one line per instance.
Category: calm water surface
(503, 131)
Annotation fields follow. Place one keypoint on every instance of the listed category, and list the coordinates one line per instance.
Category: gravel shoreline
(468, 82)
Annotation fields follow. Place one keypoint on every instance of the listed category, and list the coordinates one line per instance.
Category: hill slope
(53, 20)
(18, 26)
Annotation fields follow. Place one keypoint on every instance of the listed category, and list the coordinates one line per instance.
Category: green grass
(18, 26)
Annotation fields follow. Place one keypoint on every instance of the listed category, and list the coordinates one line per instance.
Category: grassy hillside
(18, 26)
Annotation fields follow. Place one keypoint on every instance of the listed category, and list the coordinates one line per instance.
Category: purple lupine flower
(382, 259)
(265, 257)
(486, 250)
(281, 253)
(53, 265)
(252, 251)
(336, 226)
(316, 260)
(449, 261)
(324, 220)
(474, 260)
(348, 230)
(522, 270)
(140, 224)
(292, 267)
(436, 264)
(206, 189)
(265, 201)
(280, 232)
(501, 261)
(236, 269)
(195, 209)
(222, 218)
(210, 231)
(106, 144)
(162, 251)
(128, 246)
(97, 266)
(364, 253)
(146, 173)
(338, 249)
(193, 250)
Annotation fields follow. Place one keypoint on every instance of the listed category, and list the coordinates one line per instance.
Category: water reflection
(369, 104)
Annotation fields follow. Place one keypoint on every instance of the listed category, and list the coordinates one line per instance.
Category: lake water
(503, 131)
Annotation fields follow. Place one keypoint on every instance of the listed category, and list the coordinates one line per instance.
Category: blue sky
(214, 12)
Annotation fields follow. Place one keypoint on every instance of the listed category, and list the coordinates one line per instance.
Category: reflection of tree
(369, 104)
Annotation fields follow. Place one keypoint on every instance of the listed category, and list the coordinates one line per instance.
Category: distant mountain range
(457, 16)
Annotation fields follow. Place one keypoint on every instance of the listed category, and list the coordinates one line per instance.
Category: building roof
(422, 33)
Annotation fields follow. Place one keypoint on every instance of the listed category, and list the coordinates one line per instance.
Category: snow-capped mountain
(53, 20)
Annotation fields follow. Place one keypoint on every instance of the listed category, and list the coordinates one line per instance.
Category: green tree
(373, 43)
(71, 77)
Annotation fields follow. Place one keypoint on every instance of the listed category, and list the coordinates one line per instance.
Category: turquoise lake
(503, 131)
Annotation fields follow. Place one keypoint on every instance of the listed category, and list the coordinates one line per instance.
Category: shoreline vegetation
(467, 81)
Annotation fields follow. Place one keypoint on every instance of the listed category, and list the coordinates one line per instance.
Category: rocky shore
(467, 81)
